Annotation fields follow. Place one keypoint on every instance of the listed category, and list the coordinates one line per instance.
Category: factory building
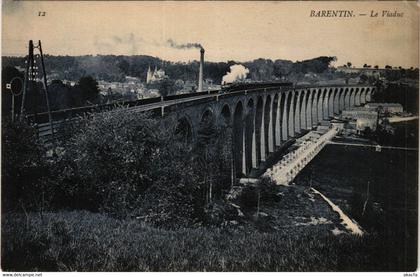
(391, 108)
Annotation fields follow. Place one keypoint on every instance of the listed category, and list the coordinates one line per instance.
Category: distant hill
(115, 68)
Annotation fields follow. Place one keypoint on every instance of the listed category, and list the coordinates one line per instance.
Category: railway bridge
(262, 119)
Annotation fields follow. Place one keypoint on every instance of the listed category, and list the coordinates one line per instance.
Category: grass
(84, 241)
(342, 174)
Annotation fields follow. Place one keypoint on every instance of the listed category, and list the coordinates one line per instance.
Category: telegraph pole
(28, 76)
(31, 74)
(46, 88)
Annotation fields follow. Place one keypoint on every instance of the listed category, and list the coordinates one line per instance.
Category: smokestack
(200, 74)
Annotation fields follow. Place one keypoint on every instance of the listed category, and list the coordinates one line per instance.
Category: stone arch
(298, 108)
(291, 116)
(362, 96)
(352, 96)
(250, 160)
(346, 99)
(238, 139)
(320, 106)
(342, 100)
(285, 116)
(357, 97)
(336, 103)
(208, 115)
(331, 95)
(259, 130)
(206, 125)
(225, 116)
(279, 119)
(184, 130)
(274, 122)
(304, 105)
(325, 104)
(308, 111)
(268, 132)
(368, 95)
(314, 105)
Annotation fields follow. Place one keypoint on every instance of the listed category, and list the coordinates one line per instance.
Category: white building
(308, 147)
(155, 75)
(386, 107)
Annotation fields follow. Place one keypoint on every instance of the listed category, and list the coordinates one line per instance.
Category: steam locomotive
(238, 86)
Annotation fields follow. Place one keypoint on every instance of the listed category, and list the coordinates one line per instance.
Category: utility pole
(232, 165)
(46, 88)
(31, 73)
(28, 76)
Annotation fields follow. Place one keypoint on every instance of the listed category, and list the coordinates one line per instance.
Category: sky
(239, 31)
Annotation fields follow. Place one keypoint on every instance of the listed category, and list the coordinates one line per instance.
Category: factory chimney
(200, 74)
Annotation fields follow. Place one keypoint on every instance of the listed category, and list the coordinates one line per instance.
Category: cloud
(118, 44)
(188, 45)
(10, 6)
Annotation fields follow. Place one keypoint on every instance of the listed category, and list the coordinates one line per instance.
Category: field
(378, 189)
(83, 241)
(286, 235)
(95, 224)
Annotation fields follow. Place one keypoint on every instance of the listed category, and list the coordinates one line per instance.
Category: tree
(167, 87)
(124, 66)
(60, 97)
(23, 167)
(363, 78)
(89, 89)
(7, 74)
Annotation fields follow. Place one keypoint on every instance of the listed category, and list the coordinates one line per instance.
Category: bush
(130, 164)
(107, 160)
(122, 163)
(24, 168)
(83, 241)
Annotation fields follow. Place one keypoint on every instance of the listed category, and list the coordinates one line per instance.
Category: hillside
(115, 68)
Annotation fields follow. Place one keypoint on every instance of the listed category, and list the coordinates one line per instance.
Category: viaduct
(262, 119)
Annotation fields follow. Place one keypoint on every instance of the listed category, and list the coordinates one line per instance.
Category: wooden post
(13, 107)
(46, 89)
(26, 79)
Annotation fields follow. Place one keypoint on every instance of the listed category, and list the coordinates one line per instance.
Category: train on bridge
(228, 88)
(238, 86)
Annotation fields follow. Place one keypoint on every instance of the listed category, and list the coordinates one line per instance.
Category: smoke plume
(189, 45)
(118, 44)
(237, 72)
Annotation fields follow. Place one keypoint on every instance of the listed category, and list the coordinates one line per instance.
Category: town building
(391, 108)
(368, 71)
(155, 75)
(305, 149)
(361, 118)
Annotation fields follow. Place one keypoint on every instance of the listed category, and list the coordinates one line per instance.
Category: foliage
(83, 241)
(134, 165)
(114, 68)
(109, 161)
(7, 74)
(24, 168)
(399, 93)
(61, 96)
(89, 88)
(265, 191)
(317, 65)
(167, 87)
